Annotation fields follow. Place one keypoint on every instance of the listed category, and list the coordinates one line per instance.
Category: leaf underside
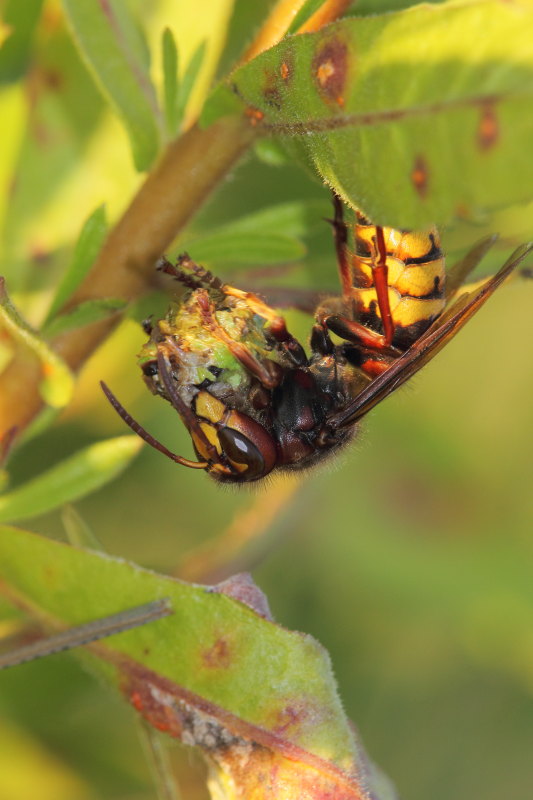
(414, 117)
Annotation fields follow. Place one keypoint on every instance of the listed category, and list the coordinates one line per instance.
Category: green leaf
(75, 477)
(4, 479)
(189, 79)
(271, 152)
(413, 116)
(21, 20)
(247, 248)
(296, 219)
(215, 661)
(177, 92)
(88, 246)
(367, 7)
(78, 531)
(306, 11)
(57, 383)
(269, 236)
(170, 81)
(83, 314)
(115, 53)
(220, 103)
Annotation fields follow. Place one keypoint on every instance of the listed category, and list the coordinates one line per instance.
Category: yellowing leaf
(75, 477)
(57, 381)
(259, 700)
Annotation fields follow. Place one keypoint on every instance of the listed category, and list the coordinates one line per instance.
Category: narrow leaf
(18, 21)
(296, 218)
(170, 81)
(307, 10)
(247, 248)
(78, 531)
(259, 699)
(83, 314)
(57, 381)
(4, 479)
(271, 235)
(189, 79)
(88, 246)
(75, 477)
(111, 44)
(411, 116)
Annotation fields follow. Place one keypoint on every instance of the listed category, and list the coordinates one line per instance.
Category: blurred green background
(409, 557)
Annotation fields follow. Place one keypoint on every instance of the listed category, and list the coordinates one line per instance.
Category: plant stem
(190, 169)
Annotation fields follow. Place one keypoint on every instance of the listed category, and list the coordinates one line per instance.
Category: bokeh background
(409, 557)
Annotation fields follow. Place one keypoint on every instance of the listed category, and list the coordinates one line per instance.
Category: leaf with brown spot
(375, 97)
(420, 176)
(258, 700)
(488, 130)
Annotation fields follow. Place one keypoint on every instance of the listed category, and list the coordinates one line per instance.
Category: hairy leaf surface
(414, 117)
(258, 699)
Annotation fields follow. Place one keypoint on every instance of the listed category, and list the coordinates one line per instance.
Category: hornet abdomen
(416, 280)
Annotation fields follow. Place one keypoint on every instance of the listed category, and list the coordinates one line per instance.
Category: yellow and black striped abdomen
(416, 280)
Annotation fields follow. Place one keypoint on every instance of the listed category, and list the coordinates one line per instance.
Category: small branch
(190, 169)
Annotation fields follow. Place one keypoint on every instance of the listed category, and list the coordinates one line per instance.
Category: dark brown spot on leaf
(53, 79)
(271, 90)
(488, 130)
(272, 96)
(330, 67)
(419, 176)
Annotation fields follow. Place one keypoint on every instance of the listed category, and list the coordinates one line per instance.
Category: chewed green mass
(198, 352)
